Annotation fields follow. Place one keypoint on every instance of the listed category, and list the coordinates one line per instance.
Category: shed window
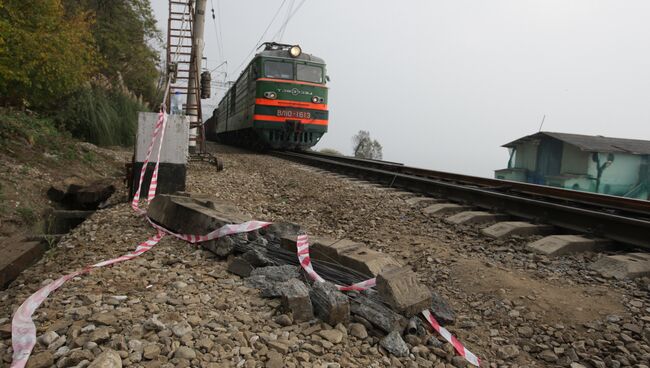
(309, 73)
(278, 69)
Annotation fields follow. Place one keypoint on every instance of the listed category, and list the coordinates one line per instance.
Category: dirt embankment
(34, 154)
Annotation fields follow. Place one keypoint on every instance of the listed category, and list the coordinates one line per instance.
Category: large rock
(441, 310)
(330, 305)
(394, 344)
(376, 313)
(41, 360)
(295, 298)
(185, 352)
(107, 359)
(400, 288)
(240, 267)
(193, 214)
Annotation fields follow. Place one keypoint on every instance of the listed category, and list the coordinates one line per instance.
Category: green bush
(106, 117)
(18, 128)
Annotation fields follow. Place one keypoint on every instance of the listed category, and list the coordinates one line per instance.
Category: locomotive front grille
(282, 136)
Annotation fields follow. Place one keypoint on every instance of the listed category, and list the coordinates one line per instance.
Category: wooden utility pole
(192, 107)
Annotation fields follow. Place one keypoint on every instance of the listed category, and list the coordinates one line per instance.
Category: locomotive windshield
(278, 69)
(309, 73)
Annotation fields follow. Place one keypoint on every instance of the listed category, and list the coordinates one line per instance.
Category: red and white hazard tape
(161, 124)
(462, 350)
(23, 330)
(302, 250)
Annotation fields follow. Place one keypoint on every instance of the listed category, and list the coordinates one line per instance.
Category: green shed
(614, 166)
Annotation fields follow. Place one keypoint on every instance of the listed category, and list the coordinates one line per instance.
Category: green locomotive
(279, 102)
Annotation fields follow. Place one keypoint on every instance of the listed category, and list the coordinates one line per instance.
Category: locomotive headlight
(317, 99)
(271, 95)
(295, 51)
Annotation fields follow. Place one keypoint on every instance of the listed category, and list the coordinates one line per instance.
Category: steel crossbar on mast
(183, 56)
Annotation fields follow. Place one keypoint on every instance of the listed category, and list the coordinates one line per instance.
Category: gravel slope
(514, 309)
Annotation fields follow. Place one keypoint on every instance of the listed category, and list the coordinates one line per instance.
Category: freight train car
(278, 102)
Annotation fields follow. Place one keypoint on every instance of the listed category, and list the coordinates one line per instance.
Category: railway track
(623, 220)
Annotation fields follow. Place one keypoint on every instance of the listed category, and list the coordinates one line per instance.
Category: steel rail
(626, 229)
(595, 200)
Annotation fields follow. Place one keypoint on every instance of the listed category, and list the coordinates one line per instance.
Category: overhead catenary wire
(284, 26)
(286, 22)
(217, 31)
(262, 36)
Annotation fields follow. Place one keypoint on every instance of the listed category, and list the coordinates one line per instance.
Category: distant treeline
(91, 64)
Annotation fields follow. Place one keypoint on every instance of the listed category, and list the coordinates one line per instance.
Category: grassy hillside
(34, 154)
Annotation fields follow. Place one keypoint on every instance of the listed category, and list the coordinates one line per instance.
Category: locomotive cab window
(309, 73)
(278, 69)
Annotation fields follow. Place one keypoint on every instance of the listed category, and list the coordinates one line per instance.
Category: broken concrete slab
(345, 252)
(441, 209)
(77, 194)
(91, 196)
(278, 230)
(330, 305)
(519, 228)
(331, 249)
(367, 261)
(401, 289)
(296, 299)
(193, 214)
(17, 255)
(58, 191)
(376, 313)
(240, 267)
(622, 266)
(223, 247)
(441, 309)
(257, 258)
(475, 218)
(277, 273)
(422, 201)
(62, 221)
(556, 245)
(288, 242)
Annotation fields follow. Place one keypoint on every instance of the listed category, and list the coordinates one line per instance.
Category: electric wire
(284, 25)
(262, 36)
(217, 33)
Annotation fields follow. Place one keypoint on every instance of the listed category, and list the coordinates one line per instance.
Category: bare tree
(366, 147)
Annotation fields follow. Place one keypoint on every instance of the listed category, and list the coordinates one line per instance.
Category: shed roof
(592, 143)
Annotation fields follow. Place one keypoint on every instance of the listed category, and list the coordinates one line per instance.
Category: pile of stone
(75, 199)
(267, 259)
(74, 193)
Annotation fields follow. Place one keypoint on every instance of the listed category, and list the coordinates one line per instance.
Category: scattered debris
(330, 305)
(400, 288)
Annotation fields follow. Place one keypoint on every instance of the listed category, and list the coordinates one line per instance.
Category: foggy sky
(443, 84)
